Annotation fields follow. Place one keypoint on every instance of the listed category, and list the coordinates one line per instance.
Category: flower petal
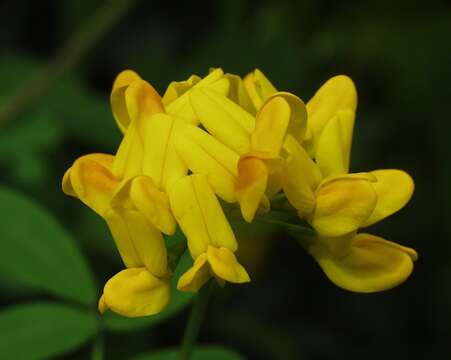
(297, 125)
(138, 241)
(337, 93)
(203, 154)
(224, 265)
(342, 206)
(394, 189)
(196, 276)
(182, 106)
(90, 179)
(251, 185)
(301, 178)
(271, 126)
(135, 292)
(224, 119)
(177, 88)
(371, 264)
(258, 87)
(161, 162)
(333, 146)
(238, 93)
(200, 216)
(153, 204)
(129, 156)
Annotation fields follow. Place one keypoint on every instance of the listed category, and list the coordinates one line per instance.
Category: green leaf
(39, 253)
(179, 301)
(199, 353)
(43, 330)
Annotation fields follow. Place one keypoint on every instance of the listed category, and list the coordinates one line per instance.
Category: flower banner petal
(251, 185)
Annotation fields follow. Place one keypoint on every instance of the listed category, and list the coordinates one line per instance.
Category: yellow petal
(394, 189)
(140, 244)
(271, 126)
(333, 146)
(371, 264)
(177, 88)
(238, 93)
(182, 105)
(224, 265)
(342, 206)
(117, 98)
(132, 97)
(142, 100)
(90, 179)
(125, 78)
(258, 87)
(224, 119)
(136, 292)
(129, 157)
(297, 124)
(153, 204)
(337, 93)
(301, 178)
(251, 185)
(196, 276)
(161, 161)
(203, 154)
(200, 216)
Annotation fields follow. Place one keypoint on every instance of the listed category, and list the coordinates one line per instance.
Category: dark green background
(399, 55)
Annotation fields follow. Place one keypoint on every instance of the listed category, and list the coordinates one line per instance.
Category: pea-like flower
(337, 204)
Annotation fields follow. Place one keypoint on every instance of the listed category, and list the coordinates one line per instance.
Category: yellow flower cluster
(242, 141)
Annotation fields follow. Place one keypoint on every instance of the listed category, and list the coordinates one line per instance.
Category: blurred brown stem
(104, 19)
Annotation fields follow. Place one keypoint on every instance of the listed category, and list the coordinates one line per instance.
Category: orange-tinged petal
(394, 189)
(251, 185)
(370, 264)
(90, 179)
(342, 206)
(135, 292)
(142, 100)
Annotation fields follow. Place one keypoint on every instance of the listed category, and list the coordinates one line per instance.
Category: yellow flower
(132, 97)
(129, 191)
(259, 89)
(211, 241)
(337, 204)
(241, 158)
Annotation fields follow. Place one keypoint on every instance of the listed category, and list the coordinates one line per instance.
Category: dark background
(399, 55)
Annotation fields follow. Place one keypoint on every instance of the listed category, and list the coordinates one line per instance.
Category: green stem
(195, 320)
(105, 18)
(98, 352)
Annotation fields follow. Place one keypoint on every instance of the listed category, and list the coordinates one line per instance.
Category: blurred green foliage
(398, 54)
